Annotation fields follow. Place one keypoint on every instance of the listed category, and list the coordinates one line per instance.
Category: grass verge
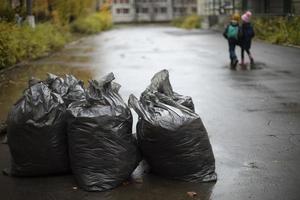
(187, 22)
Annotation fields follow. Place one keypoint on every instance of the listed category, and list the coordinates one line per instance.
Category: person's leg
(250, 57)
(231, 50)
(233, 56)
(242, 56)
(230, 53)
(248, 47)
(235, 60)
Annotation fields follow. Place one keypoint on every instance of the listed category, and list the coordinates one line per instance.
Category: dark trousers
(232, 44)
(245, 46)
(243, 53)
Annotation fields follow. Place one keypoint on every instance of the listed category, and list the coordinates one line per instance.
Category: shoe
(231, 65)
(234, 64)
(242, 63)
(252, 63)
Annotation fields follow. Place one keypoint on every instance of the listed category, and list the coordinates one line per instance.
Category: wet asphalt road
(252, 117)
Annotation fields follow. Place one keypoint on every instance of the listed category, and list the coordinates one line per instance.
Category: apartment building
(262, 7)
(123, 10)
(151, 10)
(184, 7)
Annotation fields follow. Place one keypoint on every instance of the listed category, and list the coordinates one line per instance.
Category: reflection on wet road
(252, 117)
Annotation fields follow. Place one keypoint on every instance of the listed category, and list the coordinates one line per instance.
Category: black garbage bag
(70, 88)
(172, 138)
(37, 136)
(103, 151)
(161, 83)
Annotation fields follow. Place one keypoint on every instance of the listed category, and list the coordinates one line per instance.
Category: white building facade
(123, 10)
(151, 10)
(184, 7)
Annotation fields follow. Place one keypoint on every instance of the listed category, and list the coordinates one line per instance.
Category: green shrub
(94, 23)
(6, 12)
(177, 21)
(21, 43)
(188, 22)
(278, 30)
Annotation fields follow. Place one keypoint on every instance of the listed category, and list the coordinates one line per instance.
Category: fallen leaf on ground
(191, 194)
(138, 180)
(126, 183)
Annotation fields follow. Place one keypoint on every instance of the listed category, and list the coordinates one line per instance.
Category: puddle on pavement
(284, 72)
(15, 80)
(68, 58)
(146, 187)
(289, 107)
(295, 140)
(279, 108)
(189, 32)
(154, 187)
(248, 67)
(79, 50)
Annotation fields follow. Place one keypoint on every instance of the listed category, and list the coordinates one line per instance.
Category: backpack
(232, 32)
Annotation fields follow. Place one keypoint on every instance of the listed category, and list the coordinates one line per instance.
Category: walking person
(247, 34)
(231, 33)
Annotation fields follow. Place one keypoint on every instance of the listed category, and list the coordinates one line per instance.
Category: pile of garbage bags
(59, 126)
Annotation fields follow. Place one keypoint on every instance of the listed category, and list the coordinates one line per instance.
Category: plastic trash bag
(103, 151)
(172, 138)
(37, 133)
(160, 83)
(70, 88)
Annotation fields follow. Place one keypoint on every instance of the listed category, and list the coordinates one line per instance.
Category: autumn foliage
(60, 11)
(57, 20)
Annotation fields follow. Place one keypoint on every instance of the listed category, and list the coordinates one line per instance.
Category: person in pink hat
(247, 34)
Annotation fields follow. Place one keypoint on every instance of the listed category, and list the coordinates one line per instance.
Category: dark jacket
(246, 35)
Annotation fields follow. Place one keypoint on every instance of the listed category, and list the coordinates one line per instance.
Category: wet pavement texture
(252, 117)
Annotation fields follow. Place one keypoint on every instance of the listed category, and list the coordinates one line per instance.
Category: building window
(145, 10)
(194, 9)
(182, 10)
(123, 1)
(122, 10)
(163, 9)
(156, 10)
(115, 1)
